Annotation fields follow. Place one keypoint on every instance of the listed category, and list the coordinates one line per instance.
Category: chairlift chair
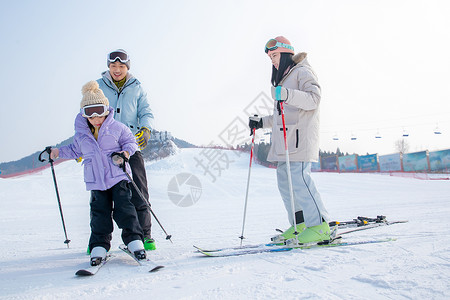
(437, 130)
(378, 135)
(335, 137)
(405, 133)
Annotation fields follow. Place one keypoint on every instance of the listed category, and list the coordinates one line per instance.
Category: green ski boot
(315, 234)
(288, 234)
(149, 244)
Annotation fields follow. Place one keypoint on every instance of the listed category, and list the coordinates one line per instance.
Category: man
(129, 101)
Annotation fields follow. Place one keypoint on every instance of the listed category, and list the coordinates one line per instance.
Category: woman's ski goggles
(273, 44)
(96, 110)
(118, 55)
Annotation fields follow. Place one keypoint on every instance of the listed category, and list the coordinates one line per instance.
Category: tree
(402, 146)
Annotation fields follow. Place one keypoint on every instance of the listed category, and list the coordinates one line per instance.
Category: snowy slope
(36, 264)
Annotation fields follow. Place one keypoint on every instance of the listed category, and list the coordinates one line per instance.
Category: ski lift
(405, 133)
(335, 137)
(378, 135)
(437, 130)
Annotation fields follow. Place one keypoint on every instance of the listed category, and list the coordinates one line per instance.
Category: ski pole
(119, 159)
(248, 184)
(288, 169)
(49, 150)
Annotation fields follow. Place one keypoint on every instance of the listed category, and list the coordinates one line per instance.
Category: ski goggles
(273, 44)
(96, 110)
(118, 55)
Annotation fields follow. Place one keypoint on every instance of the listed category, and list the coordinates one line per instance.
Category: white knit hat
(92, 94)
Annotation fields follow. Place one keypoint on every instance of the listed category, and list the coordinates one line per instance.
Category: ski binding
(152, 267)
(92, 270)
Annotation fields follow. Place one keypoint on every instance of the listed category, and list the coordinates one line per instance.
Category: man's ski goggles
(273, 44)
(96, 110)
(117, 55)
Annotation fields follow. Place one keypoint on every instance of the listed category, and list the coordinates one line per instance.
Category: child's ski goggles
(118, 55)
(96, 110)
(273, 44)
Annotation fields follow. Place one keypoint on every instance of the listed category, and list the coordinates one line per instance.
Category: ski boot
(149, 244)
(98, 254)
(315, 234)
(136, 247)
(288, 234)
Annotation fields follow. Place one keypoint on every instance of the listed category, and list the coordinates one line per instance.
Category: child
(97, 136)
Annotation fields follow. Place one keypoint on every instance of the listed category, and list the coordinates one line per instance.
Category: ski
(271, 248)
(360, 223)
(237, 247)
(350, 226)
(92, 270)
(152, 267)
(369, 226)
(363, 221)
(247, 246)
(333, 235)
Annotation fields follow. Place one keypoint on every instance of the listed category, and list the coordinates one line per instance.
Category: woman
(295, 84)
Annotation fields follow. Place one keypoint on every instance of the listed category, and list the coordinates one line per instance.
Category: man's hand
(142, 137)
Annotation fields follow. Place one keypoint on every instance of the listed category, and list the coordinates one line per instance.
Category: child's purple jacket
(99, 171)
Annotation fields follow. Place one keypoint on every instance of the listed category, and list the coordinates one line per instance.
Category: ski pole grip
(47, 149)
(121, 164)
(121, 154)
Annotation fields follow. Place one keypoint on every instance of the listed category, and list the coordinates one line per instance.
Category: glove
(79, 159)
(254, 122)
(279, 93)
(142, 137)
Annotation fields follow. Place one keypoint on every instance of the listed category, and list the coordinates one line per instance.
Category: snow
(36, 264)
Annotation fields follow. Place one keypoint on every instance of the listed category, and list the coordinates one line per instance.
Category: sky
(383, 67)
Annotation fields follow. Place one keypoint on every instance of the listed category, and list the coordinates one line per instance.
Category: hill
(161, 145)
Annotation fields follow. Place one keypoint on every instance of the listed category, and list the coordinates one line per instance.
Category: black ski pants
(142, 205)
(114, 203)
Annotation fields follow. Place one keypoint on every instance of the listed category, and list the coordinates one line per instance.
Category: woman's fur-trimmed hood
(299, 57)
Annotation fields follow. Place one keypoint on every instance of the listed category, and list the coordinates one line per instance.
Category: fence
(32, 171)
(422, 162)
